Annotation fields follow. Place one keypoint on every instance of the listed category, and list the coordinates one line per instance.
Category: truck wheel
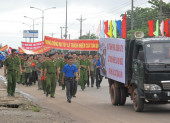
(122, 96)
(138, 103)
(115, 95)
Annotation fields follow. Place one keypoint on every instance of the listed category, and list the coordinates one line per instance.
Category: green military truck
(147, 73)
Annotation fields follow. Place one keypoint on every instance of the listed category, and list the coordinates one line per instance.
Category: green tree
(89, 36)
(165, 7)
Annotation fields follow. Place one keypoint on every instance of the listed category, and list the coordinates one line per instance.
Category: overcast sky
(12, 14)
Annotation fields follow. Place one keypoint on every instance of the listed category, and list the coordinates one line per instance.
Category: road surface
(93, 106)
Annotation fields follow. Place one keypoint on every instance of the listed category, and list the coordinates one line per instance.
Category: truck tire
(115, 95)
(122, 96)
(138, 103)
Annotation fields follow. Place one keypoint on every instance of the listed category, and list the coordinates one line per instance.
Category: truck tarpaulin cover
(112, 52)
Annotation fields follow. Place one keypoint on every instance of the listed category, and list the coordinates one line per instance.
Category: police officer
(77, 63)
(12, 63)
(84, 67)
(61, 66)
(39, 72)
(68, 74)
(91, 66)
(51, 75)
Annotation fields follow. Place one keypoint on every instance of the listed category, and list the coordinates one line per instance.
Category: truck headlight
(152, 87)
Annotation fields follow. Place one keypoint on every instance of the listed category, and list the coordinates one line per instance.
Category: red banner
(40, 50)
(32, 46)
(4, 48)
(86, 45)
(22, 51)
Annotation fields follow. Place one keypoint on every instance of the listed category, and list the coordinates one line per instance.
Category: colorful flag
(124, 26)
(119, 25)
(162, 28)
(98, 29)
(156, 33)
(9, 50)
(166, 28)
(106, 28)
(114, 29)
(43, 78)
(110, 29)
(151, 28)
(102, 34)
(33, 64)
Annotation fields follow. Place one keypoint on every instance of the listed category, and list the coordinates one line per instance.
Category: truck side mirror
(141, 56)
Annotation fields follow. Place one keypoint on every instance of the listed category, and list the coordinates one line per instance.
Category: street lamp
(33, 19)
(42, 10)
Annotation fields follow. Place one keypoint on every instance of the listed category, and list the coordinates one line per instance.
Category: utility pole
(81, 21)
(132, 20)
(69, 36)
(61, 32)
(66, 22)
(89, 34)
(160, 10)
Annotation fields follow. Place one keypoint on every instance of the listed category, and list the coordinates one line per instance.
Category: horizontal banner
(40, 50)
(85, 45)
(22, 51)
(32, 46)
(4, 48)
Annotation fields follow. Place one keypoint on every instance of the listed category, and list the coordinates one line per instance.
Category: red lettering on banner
(115, 47)
(115, 60)
(116, 73)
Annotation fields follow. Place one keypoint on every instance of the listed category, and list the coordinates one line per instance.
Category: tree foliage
(89, 36)
(143, 15)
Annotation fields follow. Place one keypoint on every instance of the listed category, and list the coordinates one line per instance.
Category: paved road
(93, 106)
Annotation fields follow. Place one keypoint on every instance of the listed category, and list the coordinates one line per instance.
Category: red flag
(33, 64)
(43, 78)
(166, 28)
(124, 26)
(106, 28)
(151, 28)
(9, 50)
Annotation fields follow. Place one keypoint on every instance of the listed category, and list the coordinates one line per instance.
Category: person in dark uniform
(97, 66)
(68, 74)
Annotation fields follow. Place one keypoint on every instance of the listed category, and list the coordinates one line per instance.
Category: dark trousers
(98, 77)
(28, 79)
(34, 76)
(69, 87)
(74, 87)
(92, 78)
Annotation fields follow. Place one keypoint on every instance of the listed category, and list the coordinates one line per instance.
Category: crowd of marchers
(51, 69)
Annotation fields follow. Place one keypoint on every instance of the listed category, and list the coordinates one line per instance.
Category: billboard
(112, 58)
(30, 34)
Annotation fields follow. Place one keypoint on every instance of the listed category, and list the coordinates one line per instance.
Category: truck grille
(166, 86)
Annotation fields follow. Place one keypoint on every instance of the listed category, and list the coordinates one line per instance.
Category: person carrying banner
(51, 75)
(12, 63)
(84, 67)
(68, 74)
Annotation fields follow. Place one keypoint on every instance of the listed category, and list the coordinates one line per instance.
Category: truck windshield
(158, 53)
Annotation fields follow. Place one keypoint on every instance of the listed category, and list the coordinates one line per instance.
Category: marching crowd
(67, 70)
